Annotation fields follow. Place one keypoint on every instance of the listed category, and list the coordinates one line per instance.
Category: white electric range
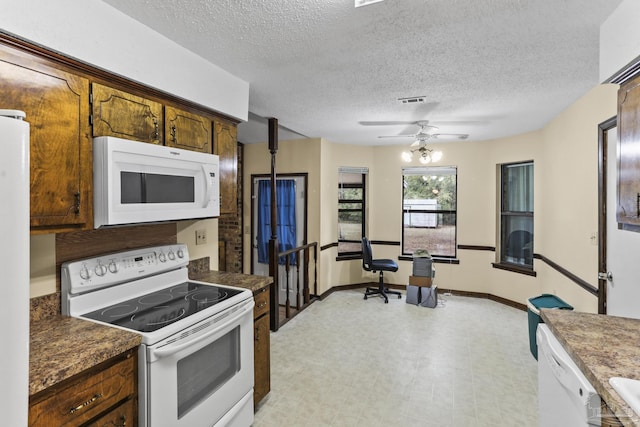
(196, 357)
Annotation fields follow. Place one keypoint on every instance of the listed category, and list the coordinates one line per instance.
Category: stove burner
(153, 299)
(164, 320)
(160, 308)
(118, 311)
(210, 296)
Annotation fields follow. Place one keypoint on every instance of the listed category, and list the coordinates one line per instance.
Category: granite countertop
(63, 346)
(602, 347)
(247, 281)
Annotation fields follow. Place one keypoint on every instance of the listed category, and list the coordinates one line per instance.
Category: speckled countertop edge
(62, 346)
(602, 347)
(247, 281)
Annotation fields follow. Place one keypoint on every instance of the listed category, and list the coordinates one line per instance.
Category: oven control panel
(111, 269)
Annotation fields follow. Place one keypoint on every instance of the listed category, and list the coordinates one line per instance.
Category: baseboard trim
(481, 295)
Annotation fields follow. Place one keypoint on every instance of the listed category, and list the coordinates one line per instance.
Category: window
(351, 210)
(429, 210)
(516, 214)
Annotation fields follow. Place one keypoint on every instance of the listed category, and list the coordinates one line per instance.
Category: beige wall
(299, 156)
(565, 202)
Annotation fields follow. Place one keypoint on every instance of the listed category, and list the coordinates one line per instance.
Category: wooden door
(124, 115)
(187, 130)
(227, 148)
(57, 107)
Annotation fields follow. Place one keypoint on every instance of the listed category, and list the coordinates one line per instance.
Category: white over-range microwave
(136, 182)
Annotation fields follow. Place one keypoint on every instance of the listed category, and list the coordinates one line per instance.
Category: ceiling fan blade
(387, 123)
(450, 135)
(397, 136)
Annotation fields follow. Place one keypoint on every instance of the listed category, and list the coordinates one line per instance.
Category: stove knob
(113, 267)
(101, 270)
(85, 273)
(162, 257)
(172, 256)
(180, 253)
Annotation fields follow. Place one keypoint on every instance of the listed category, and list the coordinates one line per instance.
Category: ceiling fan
(425, 133)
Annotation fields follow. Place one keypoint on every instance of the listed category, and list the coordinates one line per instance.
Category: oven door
(203, 376)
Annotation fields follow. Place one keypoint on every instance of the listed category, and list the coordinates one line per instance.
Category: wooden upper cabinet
(628, 209)
(227, 148)
(187, 130)
(127, 116)
(57, 107)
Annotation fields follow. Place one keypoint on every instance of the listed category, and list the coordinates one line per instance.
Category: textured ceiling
(487, 68)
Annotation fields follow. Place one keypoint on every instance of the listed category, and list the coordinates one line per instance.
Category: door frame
(603, 128)
(254, 201)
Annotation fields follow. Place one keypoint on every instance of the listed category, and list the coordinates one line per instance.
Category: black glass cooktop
(158, 309)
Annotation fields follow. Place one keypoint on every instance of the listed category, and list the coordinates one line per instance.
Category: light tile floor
(349, 362)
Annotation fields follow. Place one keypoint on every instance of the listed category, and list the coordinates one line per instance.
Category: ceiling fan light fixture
(436, 156)
(407, 156)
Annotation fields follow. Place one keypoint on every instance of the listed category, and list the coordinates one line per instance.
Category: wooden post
(273, 241)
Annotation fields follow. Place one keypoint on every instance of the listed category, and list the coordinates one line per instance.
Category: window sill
(435, 259)
(514, 268)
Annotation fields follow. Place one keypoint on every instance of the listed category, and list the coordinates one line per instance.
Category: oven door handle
(182, 344)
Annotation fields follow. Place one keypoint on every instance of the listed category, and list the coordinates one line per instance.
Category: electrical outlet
(594, 238)
(201, 237)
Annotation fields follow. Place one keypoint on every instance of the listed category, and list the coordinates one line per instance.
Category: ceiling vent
(413, 100)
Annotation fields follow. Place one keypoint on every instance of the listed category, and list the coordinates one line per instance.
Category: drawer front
(85, 397)
(123, 416)
(261, 300)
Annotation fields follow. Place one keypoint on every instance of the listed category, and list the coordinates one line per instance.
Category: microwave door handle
(182, 344)
(208, 187)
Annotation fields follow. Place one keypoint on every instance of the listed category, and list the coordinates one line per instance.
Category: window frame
(363, 202)
(505, 215)
(454, 212)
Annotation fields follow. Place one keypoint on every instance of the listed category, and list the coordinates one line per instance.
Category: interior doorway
(291, 192)
(618, 243)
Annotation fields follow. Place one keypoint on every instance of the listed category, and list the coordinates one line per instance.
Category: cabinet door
(227, 149)
(86, 396)
(127, 116)
(187, 130)
(122, 416)
(262, 359)
(628, 209)
(57, 108)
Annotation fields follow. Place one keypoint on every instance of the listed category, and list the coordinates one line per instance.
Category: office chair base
(381, 291)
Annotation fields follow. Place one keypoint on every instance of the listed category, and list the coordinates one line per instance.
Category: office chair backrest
(516, 242)
(367, 256)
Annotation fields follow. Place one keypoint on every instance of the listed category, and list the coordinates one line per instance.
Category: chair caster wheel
(399, 296)
(386, 301)
(365, 297)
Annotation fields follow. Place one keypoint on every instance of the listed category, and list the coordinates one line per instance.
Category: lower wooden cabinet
(608, 418)
(261, 346)
(103, 395)
(121, 416)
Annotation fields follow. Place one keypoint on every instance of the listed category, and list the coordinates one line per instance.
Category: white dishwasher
(565, 396)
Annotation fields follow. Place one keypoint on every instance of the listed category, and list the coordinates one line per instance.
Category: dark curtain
(286, 214)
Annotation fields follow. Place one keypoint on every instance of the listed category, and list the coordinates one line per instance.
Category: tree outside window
(429, 210)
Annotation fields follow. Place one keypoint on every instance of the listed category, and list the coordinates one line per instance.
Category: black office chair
(381, 265)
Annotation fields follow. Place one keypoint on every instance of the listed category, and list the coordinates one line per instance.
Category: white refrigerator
(14, 267)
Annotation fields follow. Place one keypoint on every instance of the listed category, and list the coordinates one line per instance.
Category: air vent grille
(413, 100)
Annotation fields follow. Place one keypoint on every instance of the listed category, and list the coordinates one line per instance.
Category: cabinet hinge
(90, 119)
